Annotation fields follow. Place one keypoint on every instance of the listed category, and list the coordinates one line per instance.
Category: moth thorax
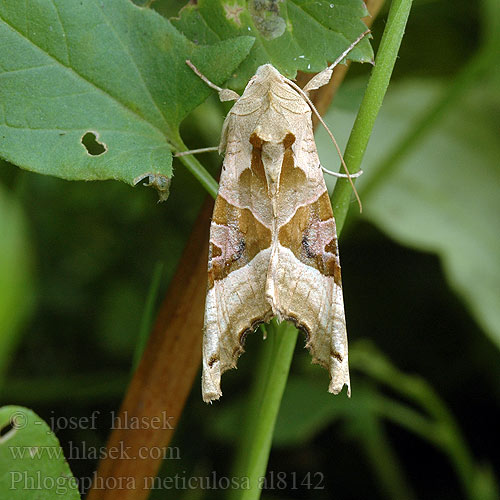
(266, 73)
(272, 159)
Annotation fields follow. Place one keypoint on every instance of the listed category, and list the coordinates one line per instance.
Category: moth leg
(324, 76)
(359, 173)
(196, 151)
(224, 94)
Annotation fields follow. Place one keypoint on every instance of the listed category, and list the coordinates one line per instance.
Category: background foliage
(420, 272)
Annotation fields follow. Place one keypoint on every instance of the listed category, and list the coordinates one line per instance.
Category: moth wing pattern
(308, 287)
(273, 248)
(239, 252)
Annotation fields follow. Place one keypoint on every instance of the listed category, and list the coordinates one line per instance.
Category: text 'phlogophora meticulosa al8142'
(273, 243)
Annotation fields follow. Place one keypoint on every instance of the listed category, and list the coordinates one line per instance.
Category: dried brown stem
(163, 380)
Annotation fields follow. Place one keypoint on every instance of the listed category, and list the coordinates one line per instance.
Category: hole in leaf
(8, 431)
(92, 145)
(5, 430)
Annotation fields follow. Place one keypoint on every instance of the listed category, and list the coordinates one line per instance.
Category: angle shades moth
(273, 243)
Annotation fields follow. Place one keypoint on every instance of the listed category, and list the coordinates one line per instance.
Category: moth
(273, 243)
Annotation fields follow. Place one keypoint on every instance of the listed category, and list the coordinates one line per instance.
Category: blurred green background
(420, 273)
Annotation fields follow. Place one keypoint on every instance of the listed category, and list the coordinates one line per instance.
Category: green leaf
(32, 462)
(444, 196)
(16, 292)
(291, 34)
(97, 90)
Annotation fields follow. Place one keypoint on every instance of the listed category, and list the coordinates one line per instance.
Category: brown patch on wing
(213, 360)
(257, 167)
(252, 181)
(332, 247)
(257, 164)
(246, 237)
(292, 179)
(310, 235)
(336, 355)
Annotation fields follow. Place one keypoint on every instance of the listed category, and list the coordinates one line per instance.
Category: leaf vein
(89, 82)
(68, 55)
(322, 26)
(127, 51)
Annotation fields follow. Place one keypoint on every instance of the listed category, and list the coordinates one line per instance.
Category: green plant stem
(438, 426)
(480, 63)
(370, 106)
(270, 378)
(197, 169)
(147, 315)
(384, 462)
(201, 173)
(260, 416)
(461, 83)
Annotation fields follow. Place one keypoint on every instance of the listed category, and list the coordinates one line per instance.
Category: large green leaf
(15, 275)
(97, 90)
(32, 464)
(290, 34)
(444, 197)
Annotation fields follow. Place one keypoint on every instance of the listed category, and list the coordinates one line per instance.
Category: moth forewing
(273, 244)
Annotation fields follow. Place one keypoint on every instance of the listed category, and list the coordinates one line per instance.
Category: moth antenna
(323, 77)
(346, 51)
(359, 173)
(224, 94)
(316, 112)
(196, 151)
(203, 77)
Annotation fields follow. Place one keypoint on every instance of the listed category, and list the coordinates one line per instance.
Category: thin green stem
(196, 168)
(260, 417)
(147, 315)
(201, 173)
(370, 106)
(383, 459)
(438, 426)
(270, 378)
(479, 65)
(461, 83)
